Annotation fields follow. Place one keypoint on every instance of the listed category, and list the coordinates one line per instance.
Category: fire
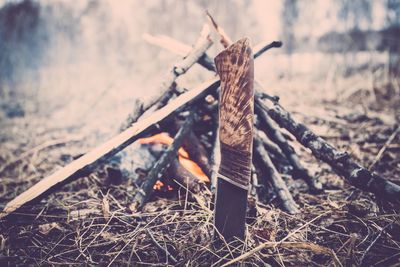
(159, 186)
(162, 138)
(183, 157)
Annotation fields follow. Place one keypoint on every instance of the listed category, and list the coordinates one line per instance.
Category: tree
(290, 14)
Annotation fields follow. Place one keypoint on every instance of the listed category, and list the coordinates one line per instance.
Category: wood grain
(235, 66)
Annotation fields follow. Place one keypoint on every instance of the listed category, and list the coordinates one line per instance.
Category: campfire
(228, 155)
(183, 158)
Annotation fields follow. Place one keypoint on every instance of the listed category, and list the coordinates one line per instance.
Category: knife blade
(235, 66)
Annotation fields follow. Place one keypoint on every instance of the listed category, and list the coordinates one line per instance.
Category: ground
(89, 220)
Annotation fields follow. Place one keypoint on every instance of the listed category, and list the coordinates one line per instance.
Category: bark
(144, 192)
(341, 162)
(276, 180)
(197, 152)
(185, 178)
(299, 171)
(105, 151)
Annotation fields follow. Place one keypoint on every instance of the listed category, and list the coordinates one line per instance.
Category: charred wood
(276, 180)
(144, 192)
(91, 160)
(299, 171)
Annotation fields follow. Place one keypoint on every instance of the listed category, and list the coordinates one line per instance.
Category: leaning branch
(275, 134)
(94, 158)
(191, 56)
(180, 48)
(146, 189)
(275, 178)
(341, 162)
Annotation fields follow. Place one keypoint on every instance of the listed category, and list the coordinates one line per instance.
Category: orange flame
(183, 155)
(159, 185)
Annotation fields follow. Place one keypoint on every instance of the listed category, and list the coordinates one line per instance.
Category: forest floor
(89, 220)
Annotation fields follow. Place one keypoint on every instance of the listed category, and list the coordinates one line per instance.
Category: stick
(225, 40)
(94, 158)
(288, 245)
(197, 153)
(180, 48)
(184, 177)
(275, 134)
(215, 158)
(279, 185)
(341, 162)
(190, 58)
(145, 190)
(262, 47)
(169, 255)
(271, 146)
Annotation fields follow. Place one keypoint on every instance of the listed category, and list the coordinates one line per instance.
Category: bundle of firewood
(185, 123)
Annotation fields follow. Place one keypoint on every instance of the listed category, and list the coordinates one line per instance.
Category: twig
(95, 157)
(271, 146)
(370, 246)
(225, 40)
(279, 243)
(215, 160)
(275, 134)
(205, 61)
(341, 162)
(172, 258)
(279, 185)
(201, 46)
(262, 47)
(383, 149)
(288, 245)
(144, 192)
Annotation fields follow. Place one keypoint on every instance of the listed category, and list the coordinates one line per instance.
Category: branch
(276, 136)
(277, 182)
(180, 48)
(100, 154)
(191, 57)
(341, 162)
(146, 189)
(357, 175)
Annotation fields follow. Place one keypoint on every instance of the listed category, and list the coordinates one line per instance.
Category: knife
(235, 66)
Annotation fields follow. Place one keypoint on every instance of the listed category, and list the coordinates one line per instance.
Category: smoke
(80, 62)
(84, 63)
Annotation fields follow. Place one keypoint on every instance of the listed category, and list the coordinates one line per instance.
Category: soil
(88, 221)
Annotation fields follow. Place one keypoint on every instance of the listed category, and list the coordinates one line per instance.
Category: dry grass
(89, 221)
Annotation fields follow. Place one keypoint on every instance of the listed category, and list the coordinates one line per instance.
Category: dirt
(88, 221)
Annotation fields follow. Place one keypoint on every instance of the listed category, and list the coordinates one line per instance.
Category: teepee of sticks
(191, 117)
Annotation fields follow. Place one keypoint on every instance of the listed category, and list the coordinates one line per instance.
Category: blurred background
(80, 65)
